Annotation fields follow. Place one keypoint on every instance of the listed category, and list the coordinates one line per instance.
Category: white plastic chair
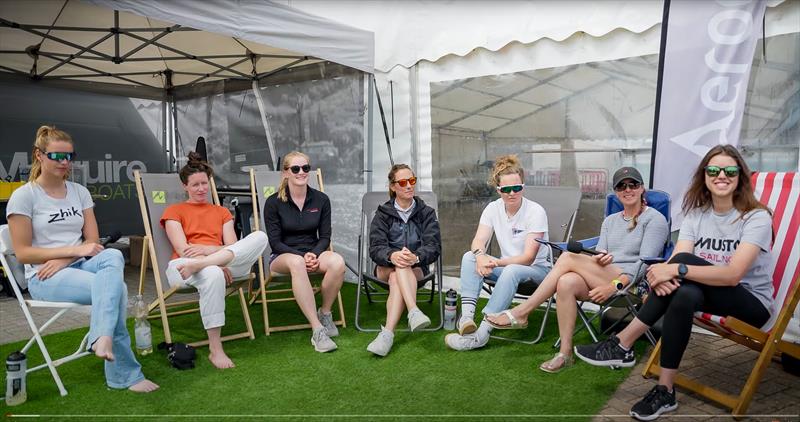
(27, 305)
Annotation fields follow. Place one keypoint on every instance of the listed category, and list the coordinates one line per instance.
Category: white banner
(706, 60)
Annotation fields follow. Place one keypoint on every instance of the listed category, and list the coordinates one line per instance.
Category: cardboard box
(136, 252)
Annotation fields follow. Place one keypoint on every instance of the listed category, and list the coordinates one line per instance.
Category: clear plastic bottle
(141, 327)
(450, 309)
(16, 368)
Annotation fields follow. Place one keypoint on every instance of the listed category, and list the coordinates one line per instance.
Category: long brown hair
(392, 172)
(698, 195)
(195, 165)
(503, 165)
(44, 135)
(284, 181)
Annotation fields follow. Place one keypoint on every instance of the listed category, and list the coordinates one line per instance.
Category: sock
(484, 330)
(468, 306)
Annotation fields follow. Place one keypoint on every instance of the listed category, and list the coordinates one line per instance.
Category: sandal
(557, 363)
(514, 323)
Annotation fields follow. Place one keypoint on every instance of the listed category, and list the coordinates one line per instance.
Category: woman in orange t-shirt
(206, 254)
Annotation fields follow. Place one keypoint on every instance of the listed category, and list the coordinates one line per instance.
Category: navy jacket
(388, 233)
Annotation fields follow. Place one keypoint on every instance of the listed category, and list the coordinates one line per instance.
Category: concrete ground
(709, 358)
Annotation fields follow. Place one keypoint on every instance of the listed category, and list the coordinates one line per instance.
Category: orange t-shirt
(202, 223)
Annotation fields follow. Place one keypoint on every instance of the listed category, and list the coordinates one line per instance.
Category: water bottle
(16, 367)
(141, 327)
(450, 301)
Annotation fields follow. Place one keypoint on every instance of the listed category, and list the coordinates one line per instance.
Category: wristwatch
(682, 270)
(618, 284)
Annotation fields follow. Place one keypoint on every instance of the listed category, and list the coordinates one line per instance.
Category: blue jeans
(507, 278)
(98, 282)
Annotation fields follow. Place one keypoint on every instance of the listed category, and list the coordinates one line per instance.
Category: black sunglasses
(730, 171)
(59, 156)
(510, 188)
(296, 169)
(630, 185)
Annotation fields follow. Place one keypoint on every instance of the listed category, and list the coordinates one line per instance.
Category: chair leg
(749, 389)
(264, 306)
(246, 314)
(341, 310)
(654, 356)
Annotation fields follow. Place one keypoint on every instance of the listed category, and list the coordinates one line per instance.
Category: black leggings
(678, 309)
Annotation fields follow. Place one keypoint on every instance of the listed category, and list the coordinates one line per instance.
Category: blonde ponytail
(44, 135)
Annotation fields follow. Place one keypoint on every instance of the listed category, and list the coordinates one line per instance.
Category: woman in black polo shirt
(298, 222)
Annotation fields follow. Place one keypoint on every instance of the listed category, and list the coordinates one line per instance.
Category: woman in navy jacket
(404, 239)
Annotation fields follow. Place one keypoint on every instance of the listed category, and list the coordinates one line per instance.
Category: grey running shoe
(417, 320)
(327, 321)
(382, 344)
(321, 341)
(466, 326)
(659, 400)
(467, 342)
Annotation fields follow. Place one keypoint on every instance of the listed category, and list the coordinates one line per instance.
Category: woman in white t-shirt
(54, 233)
(720, 265)
(515, 222)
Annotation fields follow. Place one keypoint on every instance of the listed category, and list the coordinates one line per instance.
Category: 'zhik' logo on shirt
(62, 215)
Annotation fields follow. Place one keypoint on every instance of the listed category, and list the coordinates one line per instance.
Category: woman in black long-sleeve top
(404, 238)
(298, 222)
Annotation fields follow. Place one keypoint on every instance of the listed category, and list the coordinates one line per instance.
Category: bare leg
(570, 287)
(103, 348)
(633, 331)
(667, 377)
(301, 286)
(216, 355)
(407, 283)
(332, 264)
(394, 304)
(219, 258)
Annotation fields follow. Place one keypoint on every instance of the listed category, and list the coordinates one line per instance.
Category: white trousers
(210, 281)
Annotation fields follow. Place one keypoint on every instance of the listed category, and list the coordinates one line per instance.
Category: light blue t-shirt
(56, 222)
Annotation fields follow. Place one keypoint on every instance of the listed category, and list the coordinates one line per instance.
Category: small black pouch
(180, 355)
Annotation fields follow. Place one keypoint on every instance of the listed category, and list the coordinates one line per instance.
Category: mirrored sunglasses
(296, 169)
(510, 188)
(630, 185)
(404, 182)
(60, 156)
(730, 171)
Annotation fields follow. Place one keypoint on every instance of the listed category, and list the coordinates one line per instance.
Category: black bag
(180, 355)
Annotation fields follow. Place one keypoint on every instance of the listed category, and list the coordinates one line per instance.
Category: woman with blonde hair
(298, 221)
(54, 233)
(404, 239)
(516, 223)
(720, 265)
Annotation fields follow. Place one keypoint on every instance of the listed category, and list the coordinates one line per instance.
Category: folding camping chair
(367, 281)
(27, 305)
(156, 192)
(264, 183)
(630, 297)
(780, 192)
(561, 205)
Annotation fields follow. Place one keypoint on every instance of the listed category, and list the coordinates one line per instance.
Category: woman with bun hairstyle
(634, 232)
(516, 223)
(720, 266)
(404, 239)
(54, 233)
(298, 221)
(206, 254)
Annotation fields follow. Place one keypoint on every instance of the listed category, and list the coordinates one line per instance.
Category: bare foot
(220, 360)
(144, 386)
(103, 348)
(188, 268)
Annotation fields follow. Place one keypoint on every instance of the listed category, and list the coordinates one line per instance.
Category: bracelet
(478, 252)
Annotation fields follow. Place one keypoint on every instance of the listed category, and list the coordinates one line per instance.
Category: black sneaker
(606, 353)
(659, 400)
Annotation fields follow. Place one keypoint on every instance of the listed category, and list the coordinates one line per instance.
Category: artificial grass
(281, 375)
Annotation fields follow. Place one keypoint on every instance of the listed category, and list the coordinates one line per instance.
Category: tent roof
(196, 41)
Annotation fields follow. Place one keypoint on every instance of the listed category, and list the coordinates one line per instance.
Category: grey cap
(627, 173)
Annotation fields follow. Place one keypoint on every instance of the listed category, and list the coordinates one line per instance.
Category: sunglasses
(510, 188)
(630, 185)
(59, 156)
(404, 182)
(296, 169)
(730, 171)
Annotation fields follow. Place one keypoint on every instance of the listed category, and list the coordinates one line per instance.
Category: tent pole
(370, 105)
(662, 51)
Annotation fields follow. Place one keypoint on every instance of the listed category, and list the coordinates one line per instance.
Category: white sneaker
(327, 321)
(382, 344)
(467, 342)
(466, 326)
(417, 320)
(321, 341)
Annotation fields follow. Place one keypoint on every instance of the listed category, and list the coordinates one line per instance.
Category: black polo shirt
(296, 231)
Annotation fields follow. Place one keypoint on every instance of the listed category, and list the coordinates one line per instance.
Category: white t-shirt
(56, 222)
(512, 232)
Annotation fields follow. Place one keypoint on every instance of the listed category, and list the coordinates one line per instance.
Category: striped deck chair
(779, 191)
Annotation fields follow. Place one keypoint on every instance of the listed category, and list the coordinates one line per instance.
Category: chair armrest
(650, 260)
(591, 242)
